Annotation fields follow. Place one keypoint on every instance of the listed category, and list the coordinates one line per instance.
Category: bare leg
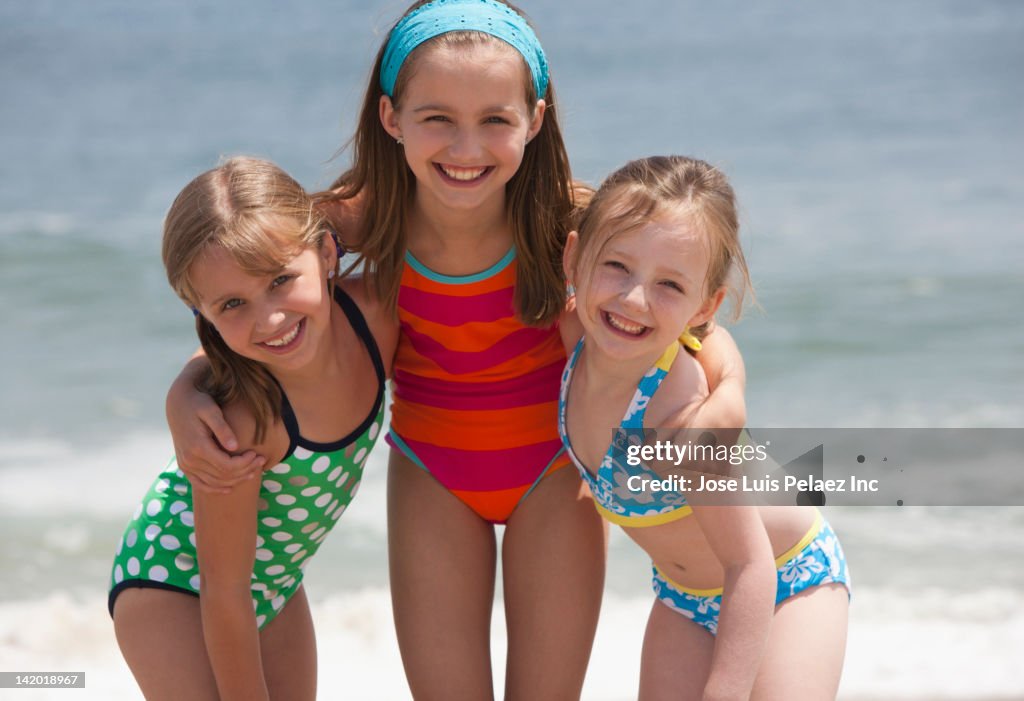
(442, 565)
(804, 659)
(160, 634)
(288, 648)
(553, 557)
(676, 657)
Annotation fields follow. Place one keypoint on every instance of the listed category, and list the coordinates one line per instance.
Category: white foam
(39, 477)
(54, 477)
(901, 645)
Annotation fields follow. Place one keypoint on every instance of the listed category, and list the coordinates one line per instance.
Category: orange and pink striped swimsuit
(475, 400)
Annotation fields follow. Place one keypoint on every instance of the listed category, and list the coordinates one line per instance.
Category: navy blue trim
(142, 584)
(358, 322)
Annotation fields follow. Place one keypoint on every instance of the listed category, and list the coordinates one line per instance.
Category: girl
(458, 202)
(652, 262)
(298, 370)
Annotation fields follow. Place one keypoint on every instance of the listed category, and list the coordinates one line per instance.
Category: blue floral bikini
(815, 560)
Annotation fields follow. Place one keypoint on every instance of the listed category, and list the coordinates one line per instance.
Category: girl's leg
(442, 566)
(676, 657)
(804, 659)
(160, 634)
(288, 648)
(553, 558)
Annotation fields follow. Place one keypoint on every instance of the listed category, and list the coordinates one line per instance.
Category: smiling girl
(745, 596)
(207, 591)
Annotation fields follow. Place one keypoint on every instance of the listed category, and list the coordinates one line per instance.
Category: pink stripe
(462, 363)
(537, 387)
(455, 311)
(485, 470)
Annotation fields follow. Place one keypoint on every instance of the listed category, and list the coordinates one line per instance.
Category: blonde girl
(656, 253)
(207, 591)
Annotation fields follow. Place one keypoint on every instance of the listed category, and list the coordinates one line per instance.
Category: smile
(286, 340)
(625, 326)
(463, 175)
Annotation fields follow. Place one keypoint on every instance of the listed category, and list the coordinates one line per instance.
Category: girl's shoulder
(382, 322)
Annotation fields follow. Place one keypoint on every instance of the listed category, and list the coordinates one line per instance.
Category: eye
(616, 265)
(496, 120)
(437, 118)
(232, 303)
(672, 285)
(280, 280)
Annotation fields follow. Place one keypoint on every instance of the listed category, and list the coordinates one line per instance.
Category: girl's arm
(739, 540)
(226, 549)
(202, 437)
(723, 365)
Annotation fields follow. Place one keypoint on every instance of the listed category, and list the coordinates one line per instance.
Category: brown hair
(644, 188)
(262, 218)
(540, 196)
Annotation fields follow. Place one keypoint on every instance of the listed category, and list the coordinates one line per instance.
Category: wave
(928, 645)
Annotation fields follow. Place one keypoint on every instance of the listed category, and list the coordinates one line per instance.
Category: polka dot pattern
(300, 500)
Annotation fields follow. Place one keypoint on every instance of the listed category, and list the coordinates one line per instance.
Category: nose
(271, 318)
(466, 146)
(635, 296)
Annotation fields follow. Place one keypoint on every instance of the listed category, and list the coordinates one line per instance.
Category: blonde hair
(539, 197)
(647, 187)
(260, 217)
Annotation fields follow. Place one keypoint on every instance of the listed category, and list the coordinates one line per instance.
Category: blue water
(875, 148)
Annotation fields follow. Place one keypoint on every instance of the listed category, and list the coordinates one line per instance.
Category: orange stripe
(495, 506)
(495, 429)
(551, 351)
(468, 338)
(499, 281)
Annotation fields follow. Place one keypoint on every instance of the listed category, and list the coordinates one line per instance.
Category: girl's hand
(199, 431)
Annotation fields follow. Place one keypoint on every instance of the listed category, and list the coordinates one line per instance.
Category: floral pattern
(820, 562)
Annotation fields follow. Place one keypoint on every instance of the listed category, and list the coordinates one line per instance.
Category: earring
(330, 274)
(689, 340)
(400, 141)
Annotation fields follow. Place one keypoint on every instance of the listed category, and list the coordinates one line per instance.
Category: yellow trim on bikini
(668, 357)
(810, 535)
(643, 521)
(782, 559)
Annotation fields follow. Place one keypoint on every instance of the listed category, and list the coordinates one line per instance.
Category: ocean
(875, 149)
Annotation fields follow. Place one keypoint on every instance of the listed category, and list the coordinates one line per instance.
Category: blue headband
(443, 16)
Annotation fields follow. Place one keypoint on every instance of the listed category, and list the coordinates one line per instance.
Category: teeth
(618, 323)
(284, 340)
(463, 173)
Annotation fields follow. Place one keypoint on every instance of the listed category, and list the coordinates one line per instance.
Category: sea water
(875, 149)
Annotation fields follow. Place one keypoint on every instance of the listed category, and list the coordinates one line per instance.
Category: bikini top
(622, 492)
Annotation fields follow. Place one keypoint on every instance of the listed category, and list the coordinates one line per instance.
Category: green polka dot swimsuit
(300, 500)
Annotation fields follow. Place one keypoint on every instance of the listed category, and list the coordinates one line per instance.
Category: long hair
(540, 197)
(262, 218)
(641, 189)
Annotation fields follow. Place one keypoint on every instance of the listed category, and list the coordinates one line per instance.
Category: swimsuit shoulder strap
(362, 329)
(648, 385)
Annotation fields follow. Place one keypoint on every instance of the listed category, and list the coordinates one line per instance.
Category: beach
(875, 150)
